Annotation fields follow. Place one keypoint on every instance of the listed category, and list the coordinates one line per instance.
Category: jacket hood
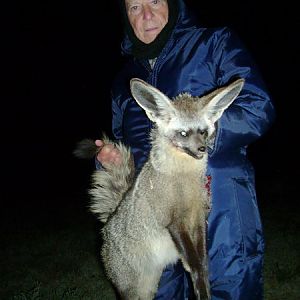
(185, 21)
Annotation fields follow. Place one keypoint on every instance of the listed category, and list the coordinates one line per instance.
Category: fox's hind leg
(191, 245)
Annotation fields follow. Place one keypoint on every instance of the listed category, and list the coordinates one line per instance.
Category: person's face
(147, 18)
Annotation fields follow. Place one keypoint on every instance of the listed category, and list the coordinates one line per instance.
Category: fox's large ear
(154, 102)
(221, 99)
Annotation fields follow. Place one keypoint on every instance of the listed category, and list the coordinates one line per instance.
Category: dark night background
(58, 61)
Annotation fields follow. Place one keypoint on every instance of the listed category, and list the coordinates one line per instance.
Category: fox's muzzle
(198, 154)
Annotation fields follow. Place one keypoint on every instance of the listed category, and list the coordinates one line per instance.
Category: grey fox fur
(159, 216)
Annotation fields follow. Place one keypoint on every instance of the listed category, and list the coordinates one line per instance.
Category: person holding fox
(168, 49)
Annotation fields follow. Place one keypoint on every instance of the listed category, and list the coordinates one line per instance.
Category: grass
(52, 260)
(281, 219)
(55, 255)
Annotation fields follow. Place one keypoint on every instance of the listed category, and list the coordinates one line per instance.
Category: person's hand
(108, 154)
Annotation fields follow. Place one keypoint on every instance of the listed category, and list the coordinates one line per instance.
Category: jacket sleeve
(252, 112)
(117, 118)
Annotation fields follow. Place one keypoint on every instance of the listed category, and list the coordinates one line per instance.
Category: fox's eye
(183, 133)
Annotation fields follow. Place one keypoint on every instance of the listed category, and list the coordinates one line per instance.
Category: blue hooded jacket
(198, 60)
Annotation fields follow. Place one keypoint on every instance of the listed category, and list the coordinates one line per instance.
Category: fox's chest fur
(176, 182)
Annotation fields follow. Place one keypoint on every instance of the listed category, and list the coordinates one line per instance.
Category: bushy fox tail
(110, 184)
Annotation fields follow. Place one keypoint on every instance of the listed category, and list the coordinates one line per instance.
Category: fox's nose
(202, 149)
